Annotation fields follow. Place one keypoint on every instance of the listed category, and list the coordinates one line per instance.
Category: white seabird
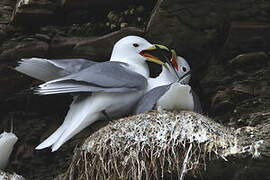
(7, 141)
(110, 88)
(170, 92)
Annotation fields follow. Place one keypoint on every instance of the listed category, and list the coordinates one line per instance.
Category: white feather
(178, 97)
(86, 109)
(73, 109)
(7, 141)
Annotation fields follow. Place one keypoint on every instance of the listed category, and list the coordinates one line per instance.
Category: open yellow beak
(146, 53)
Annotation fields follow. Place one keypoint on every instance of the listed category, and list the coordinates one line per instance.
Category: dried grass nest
(155, 145)
(7, 176)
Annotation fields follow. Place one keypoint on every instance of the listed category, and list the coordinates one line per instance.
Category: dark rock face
(39, 12)
(241, 75)
(27, 48)
(6, 9)
(206, 31)
(102, 47)
(246, 38)
(226, 43)
(198, 29)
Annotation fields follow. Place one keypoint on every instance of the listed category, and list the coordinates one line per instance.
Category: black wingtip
(35, 90)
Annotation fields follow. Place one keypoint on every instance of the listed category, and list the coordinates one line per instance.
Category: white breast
(178, 97)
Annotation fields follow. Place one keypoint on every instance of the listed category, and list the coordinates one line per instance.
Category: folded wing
(101, 77)
(149, 100)
(46, 70)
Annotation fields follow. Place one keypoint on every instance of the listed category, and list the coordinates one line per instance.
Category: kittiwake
(110, 88)
(170, 90)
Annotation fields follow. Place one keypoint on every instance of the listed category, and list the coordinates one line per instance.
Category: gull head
(183, 70)
(175, 64)
(134, 50)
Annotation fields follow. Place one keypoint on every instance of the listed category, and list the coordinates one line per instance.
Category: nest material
(155, 145)
(7, 176)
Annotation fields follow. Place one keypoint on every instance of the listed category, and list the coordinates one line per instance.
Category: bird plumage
(7, 141)
(46, 70)
(170, 91)
(106, 77)
(113, 87)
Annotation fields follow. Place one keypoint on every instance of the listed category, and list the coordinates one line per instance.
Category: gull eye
(184, 69)
(136, 45)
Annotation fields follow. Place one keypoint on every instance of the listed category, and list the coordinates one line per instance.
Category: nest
(7, 176)
(155, 145)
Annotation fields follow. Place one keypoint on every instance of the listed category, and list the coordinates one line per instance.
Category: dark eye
(184, 69)
(136, 45)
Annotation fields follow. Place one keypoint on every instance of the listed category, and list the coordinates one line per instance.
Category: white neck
(164, 78)
(167, 76)
(136, 65)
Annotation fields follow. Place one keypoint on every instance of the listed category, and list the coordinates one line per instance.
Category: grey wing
(197, 105)
(46, 70)
(72, 65)
(101, 77)
(149, 100)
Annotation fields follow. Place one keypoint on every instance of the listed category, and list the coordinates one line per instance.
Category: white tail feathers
(74, 128)
(80, 115)
(51, 139)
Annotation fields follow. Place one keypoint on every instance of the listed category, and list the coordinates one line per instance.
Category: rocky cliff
(226, 42)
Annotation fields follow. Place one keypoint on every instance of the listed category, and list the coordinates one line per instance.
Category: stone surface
(200, 28)
(24, 48)
(94, 48)
(237, 89)
(250, 61)
(194, 29)
(33, 13)
(62, 47)
(101, 47)
(102, 4)
(6, 9)
(246, 38)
